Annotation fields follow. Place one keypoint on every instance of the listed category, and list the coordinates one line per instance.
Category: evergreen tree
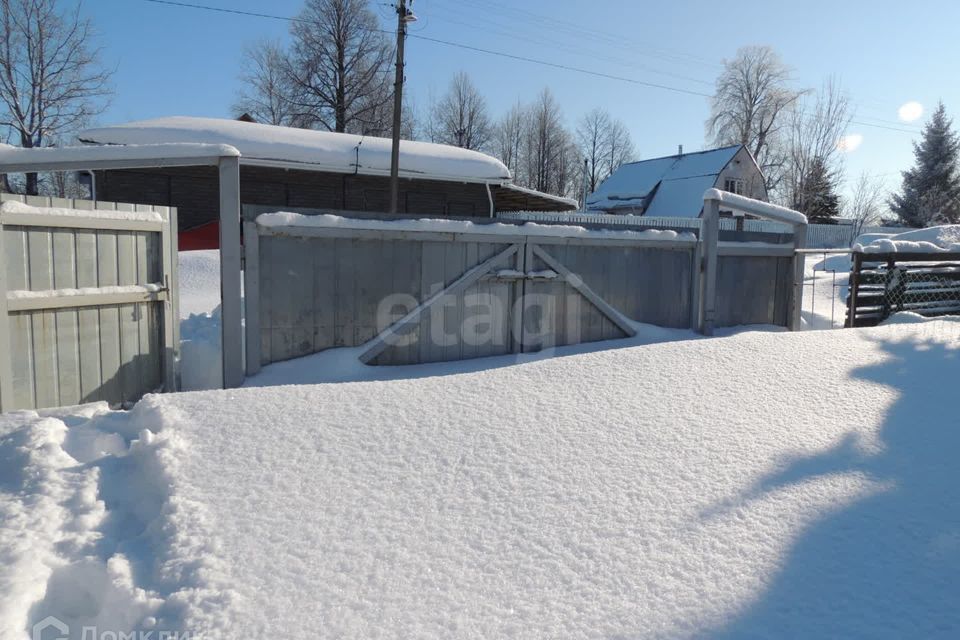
(931, 189)
(818, 195)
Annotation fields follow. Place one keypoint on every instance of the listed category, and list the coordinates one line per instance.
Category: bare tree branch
(750, 107)
(461, 116)
(51, 82)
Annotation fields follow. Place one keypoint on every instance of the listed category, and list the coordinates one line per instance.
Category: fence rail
(828, 236)
(87, 301)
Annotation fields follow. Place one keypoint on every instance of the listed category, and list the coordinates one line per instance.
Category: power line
(501, 54)
(449, 43)
(557, 65)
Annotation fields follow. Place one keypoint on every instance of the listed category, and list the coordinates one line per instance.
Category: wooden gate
(426, 296)
(87, 302)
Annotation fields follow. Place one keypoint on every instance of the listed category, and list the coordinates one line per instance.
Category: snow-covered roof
(15, 159)
(671, 187)
(269, 145)
(565, 202)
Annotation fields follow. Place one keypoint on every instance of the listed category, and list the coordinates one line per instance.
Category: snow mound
(760, 485)
(942, 239)
(89, 530)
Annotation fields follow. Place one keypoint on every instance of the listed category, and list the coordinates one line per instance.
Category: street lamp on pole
(404, 17)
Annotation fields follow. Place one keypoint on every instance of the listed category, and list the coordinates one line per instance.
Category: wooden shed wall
(194, 191)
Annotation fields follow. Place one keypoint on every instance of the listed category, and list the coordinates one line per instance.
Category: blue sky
(177, 61)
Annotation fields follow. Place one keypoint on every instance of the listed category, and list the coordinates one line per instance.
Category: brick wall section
(195, 192)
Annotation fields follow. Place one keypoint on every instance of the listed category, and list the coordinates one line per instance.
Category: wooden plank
(577, 283)
(91, 377)
(110, 359)
(107, 274)
(130, 374)
(126, 258)
(86, 300)
(324, 294)
(68, 356)
(343, 329)
(406, 282)
(15, 258)
(40, 260)
(21, 361)
(44, 347)
(45, 220)
(6, 370)
(251, 297)
(382, 341)
(451, 307)
(86, 264)
(64, 259)
(431, 283)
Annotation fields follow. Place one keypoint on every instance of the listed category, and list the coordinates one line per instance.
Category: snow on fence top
(286, 219)
(765, 209)
(337, 152)
(942, 239)
(14, 207)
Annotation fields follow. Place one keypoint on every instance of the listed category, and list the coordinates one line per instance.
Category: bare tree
(593, 133)
(340, 66)
(268, 90)
(604, 143)
(751, 105)
(619, 145)
(461, 115)
(51, 81)
(546, 142)
(866, 204)
(817, 125)
(507, 140)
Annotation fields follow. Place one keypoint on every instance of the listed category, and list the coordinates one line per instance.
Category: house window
(734, 185)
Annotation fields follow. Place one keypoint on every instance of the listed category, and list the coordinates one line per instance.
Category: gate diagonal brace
(577, 283)
(394, 332)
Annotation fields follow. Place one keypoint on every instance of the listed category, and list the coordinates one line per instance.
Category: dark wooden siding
(194, 191)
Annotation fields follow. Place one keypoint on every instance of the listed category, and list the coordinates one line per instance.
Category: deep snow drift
(761, 485)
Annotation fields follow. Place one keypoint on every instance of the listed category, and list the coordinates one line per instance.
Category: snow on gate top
(287, 219)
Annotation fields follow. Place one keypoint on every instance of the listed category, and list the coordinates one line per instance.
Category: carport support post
(799, 264)
(231, 327)
(709, 239)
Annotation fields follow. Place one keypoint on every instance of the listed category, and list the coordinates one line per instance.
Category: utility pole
(404, 16)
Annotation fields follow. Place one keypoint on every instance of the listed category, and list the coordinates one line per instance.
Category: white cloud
(850, 143)
(910, 111)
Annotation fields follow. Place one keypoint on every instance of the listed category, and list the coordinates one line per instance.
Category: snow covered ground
(826, 282)
(759, 485)
(199, 276)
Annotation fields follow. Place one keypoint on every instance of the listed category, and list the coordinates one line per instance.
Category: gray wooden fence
(409, 295)
(87, 302)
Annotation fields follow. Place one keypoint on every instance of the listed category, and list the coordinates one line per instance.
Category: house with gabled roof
(673, 186)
